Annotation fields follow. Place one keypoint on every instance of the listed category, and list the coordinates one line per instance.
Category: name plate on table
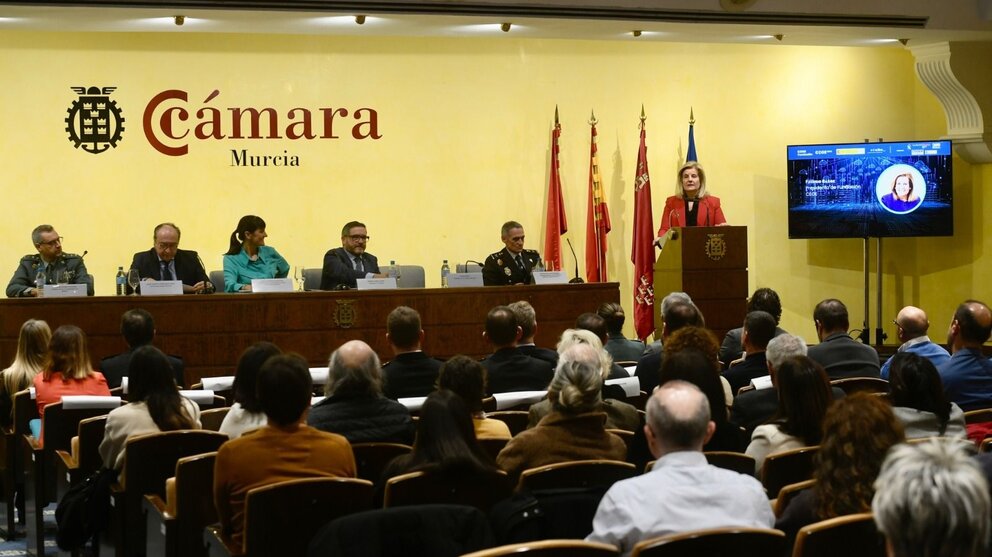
(463, 280)
(388, 283)
(550, 277)
(161, 288)
(64, 290)
(272, 285)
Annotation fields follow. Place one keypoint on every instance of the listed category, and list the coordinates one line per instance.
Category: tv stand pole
(879, 333)
(865, 335)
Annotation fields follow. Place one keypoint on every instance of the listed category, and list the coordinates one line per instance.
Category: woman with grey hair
(575, 429)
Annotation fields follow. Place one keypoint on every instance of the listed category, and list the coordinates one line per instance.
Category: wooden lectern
(709, 263)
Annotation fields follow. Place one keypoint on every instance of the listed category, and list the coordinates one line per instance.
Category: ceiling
(794, 22)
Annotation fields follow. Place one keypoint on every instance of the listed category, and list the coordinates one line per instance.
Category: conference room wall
(464, 146)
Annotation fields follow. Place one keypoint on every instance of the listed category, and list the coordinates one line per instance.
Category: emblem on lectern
(716, 246)
(345, 314)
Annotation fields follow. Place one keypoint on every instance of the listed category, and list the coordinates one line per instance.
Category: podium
(709, 263)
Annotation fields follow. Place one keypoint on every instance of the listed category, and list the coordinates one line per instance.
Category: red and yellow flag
(642, 249)
(597, 217)
(555, 222)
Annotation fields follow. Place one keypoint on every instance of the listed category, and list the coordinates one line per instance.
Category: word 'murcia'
(169, 133)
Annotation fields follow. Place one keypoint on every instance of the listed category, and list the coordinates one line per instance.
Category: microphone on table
(577, 279)
(467, 261)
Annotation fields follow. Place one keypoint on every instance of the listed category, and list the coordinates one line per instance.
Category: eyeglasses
(359, 238)
(896, 323)
(52, 242)
(169, 245)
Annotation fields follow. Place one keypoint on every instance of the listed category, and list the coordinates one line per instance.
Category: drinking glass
(133, 280)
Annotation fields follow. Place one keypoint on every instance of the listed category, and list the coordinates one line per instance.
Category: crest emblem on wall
(95, 122)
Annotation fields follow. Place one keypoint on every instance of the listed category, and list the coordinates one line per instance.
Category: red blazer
(709, 213)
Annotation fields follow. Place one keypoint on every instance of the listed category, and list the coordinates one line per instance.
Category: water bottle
(394, 270)
(121, 282)
(40, 279)
(445, 270)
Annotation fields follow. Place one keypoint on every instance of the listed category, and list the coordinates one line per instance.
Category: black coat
(410, 374)
(339, 269)
(188, 267)
(362, 419)
(510, 370)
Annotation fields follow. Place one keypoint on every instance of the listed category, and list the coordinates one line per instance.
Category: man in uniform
(48, 266)
(512, 264)
(344, 265)
(165, 261)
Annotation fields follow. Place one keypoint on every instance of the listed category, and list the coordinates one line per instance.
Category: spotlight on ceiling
(360, 19)
(180, 19)
(636, 32)
(505, 27)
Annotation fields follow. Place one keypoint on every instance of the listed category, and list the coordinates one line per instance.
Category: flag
(597, 217)
(690, 156)
(642, 250)
(555, 223)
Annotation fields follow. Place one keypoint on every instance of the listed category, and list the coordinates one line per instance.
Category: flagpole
(597, 199)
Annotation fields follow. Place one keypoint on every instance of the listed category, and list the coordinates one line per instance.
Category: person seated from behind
(597, 325)
(246, 413)
(155, 405)
(620, 347)
(918, 399)
(411, 372)
(676, 314)
(67, 370)
(509, 369)
(838, 353)
(467, 378)
(355, 406)
(138, 329)
(285, 449)
(619, 414)
(759, 328)
(763, 299)
(698, 367)
(527, 320)
(911, 329)
(32, 349)
(575, 429)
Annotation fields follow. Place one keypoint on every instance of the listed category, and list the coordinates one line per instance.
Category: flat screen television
(862, 190)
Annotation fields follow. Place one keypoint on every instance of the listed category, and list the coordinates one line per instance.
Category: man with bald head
(911, 330)
(967, 375)
(682, 491)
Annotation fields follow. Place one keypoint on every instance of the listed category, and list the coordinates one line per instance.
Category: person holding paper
(691, 205)
(249, 258)
(49, 266)
(165, 261)
(343, 266)
(512, 264)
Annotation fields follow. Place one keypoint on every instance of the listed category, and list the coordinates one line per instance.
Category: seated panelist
(249, 258)
(692, 205)
(49, 266)
(343, 266)
(512, 264)
(165, 261)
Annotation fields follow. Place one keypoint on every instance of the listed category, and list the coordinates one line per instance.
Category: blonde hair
(702, 179)
(32, 349)
(577, 382)
(573, 337)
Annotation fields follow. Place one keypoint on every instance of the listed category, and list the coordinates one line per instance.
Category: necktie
(520, 262)
(358, 265)
(164, 271)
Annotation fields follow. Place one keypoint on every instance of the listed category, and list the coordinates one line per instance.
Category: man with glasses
(512, 264)
(911, 330)
(49, 266)
(165, 261)
(344, 265)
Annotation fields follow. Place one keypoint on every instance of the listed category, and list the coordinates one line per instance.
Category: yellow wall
(464, 147)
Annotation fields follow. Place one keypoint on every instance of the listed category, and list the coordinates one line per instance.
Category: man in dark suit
(344, 265)
(411, 372)
(676, 316)
(620, 347)
(759, 328)
(838, 353)
(165, 261)
(509, 369)
(527, 320)
(763, 299)
(138, 329)
(512, 264)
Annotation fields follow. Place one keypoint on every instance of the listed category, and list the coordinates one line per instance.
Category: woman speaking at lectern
(692, 206)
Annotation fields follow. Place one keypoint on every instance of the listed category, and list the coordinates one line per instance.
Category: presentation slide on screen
(861, 190)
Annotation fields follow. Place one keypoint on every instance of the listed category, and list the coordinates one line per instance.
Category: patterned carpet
(18, 547)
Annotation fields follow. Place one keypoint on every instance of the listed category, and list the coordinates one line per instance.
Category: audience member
(467, 378)
(508, 368)
(759, 328)
(694, 366)
(155, 405)
(763, 299)
(285, 449)
(677, 315)
(838, 353)
(620, 347)
(246, 413)
(527, 320)
(411, 372)
(911, 330)
(597, 325)
(858, 431)
(619, 414)
(682, 491)
(354, 406)
(753, 408)
(67, 370)
(575, 429)
(931, 500)
(702, 339)
(138, 329)
(918, 399)
(967, 375)
(803, 398)
(667, 302)
(32, 349)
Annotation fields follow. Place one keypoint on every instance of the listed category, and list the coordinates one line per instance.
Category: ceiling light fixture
(360, 19)
(180, 19)
(636, 32)
(779, 37)
(505, 27)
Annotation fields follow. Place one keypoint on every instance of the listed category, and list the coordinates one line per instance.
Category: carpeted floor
(18, 546)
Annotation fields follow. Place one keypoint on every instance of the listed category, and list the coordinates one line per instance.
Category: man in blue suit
(344, 265)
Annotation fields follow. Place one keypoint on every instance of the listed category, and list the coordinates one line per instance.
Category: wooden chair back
(790, 492)
(493, 446)
(12, 458)
(980, 416)
(729, 460)
(280, 519)
(489, 404)
(421, 488)
(627, 436)
(90, 435)
(194, 501)
(576, 474)
(516, 420)
(851, 535)
(986, 445)
(212, 418)
(736, 541)
(852, 385)
(371, 459)
(550, 548)
(787, 467)
(61, 425)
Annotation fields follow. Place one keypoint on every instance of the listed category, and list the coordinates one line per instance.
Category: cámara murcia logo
(95, 122)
